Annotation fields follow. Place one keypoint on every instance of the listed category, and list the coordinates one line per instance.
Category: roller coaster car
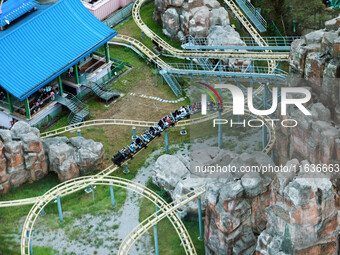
(133, 147)
(140, 143)
(191, 109)
(160, 125)
(154, 131)
(146, 138)
(211, 106)
(121, 156)
(118, 159)
(148, 135)
(175, 116)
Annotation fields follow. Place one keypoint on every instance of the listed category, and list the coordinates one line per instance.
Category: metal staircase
(103, 93)
(79, 110)
(253, 14)
(172, 82)
(206, 64)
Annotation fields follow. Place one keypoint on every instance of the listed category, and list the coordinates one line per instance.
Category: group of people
(46, 95)
(140, 142)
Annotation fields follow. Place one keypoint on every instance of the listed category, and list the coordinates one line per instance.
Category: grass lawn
(168, 240)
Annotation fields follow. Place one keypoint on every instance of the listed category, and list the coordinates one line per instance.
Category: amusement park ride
(263, 49)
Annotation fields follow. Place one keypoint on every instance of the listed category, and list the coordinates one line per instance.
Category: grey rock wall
(24, 157)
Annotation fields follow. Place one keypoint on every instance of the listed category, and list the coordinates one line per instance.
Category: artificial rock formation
(198, 18)
(286, 213)
(302, 219)
(315, 64)
(24, 157)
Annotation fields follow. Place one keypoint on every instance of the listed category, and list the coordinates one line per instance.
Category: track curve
(153, 219)
(77, 184)
(103, 178)
(121, 122)
(209, 54)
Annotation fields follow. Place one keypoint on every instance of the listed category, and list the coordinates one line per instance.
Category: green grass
(147, 16)
(79, 203)
(168, 240)
(43, 251)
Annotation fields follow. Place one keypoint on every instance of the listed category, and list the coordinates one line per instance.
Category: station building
(48, 58)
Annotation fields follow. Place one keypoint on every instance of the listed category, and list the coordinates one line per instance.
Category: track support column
(113, 203)
(155, 232)
(220, 141)
(134, 136)
(10, 104)
(264, 129)
(200, 218)
(59, 210)
(126, 170)
(27, 109)
(30, 244)
(166, 141)
(94, 199)
(42, 211)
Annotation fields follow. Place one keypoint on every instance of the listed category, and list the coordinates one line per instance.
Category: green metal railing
(119, 16)
(274, 28)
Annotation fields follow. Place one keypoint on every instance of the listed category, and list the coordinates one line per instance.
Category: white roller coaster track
(136, 123)
(103, 179)
(72, 186)
(149, 222)
(212, 54)
(78, 184)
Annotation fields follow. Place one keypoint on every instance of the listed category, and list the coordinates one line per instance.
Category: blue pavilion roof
(42, 45)
(13, 9)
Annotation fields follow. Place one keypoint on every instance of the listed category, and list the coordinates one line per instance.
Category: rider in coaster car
(160, 125)
(183, 112)
(126, 152)
(165, 123)
(167, 119)
(139, 142)
(153, 131)
(176, 114)
(133, 147)
(198, 106)
(145, 137)
(148, 135)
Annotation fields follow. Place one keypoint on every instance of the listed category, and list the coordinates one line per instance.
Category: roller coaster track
(190, 69)
(137, 123)
(149, 222)
(250, 28)
(207, 54)
(102, 178)
(78, 184)
(212, 54)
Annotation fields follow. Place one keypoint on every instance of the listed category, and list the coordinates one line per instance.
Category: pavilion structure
(47, 52)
